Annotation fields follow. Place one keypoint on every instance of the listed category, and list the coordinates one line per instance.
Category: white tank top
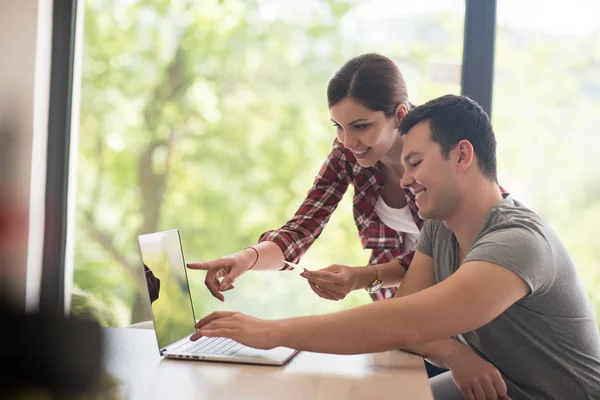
(399, 219)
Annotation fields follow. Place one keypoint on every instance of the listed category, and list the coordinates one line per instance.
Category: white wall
(25, 43)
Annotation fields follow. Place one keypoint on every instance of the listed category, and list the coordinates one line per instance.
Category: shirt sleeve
(521, 248)
(297, 235)
(405, 259)
(425, 241)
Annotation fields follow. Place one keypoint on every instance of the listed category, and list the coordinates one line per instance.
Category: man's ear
(465, 155)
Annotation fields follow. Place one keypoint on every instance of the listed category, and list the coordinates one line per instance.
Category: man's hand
(229, 268)
(242, 328)
(333, 282)
(476, 378)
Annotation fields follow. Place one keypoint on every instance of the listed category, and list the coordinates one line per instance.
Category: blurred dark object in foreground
(51, 354)
(60, 355)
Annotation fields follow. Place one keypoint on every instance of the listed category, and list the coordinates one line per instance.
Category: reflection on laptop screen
(166, 277)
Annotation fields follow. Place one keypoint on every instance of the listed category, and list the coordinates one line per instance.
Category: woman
(367, 99)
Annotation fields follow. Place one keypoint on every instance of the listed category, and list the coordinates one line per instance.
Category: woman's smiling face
(368, 134)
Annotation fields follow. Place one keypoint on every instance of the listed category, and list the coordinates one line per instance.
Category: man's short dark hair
(452, 119)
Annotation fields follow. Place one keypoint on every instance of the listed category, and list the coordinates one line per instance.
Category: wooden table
(132, 356)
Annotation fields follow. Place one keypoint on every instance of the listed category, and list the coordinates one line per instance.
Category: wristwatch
(377, 284)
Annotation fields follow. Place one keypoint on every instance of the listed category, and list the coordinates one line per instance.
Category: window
(211, 117)
(546, 97)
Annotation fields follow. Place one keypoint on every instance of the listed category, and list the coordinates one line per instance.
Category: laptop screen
(168, 288)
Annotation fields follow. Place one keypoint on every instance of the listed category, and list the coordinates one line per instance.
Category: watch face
(376, 287)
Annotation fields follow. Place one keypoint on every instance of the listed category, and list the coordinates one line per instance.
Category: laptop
(173, 311)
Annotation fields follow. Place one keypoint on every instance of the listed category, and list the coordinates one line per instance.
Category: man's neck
(467, 221)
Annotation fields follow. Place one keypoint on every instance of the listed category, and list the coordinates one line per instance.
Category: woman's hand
(222, 272)
(333, 282)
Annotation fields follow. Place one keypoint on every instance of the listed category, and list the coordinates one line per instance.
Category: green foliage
(85, 305)
(190, 118)
(211, 117)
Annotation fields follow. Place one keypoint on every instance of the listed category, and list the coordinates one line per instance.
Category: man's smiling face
(428, 174)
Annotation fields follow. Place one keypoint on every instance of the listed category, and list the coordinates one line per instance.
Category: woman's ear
(401, 111)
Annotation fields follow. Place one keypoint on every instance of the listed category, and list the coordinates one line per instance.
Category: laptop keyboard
(210, 345)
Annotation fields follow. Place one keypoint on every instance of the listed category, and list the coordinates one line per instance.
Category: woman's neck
(392, 161)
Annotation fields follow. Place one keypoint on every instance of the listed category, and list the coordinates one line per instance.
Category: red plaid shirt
(338, 171)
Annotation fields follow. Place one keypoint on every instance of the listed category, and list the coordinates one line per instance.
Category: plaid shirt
(338, 171)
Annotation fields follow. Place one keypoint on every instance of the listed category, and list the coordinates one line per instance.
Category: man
(491, 294)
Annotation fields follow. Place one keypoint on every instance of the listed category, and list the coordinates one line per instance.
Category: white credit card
(298, 268)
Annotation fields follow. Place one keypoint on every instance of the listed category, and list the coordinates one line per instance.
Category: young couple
(491, 293)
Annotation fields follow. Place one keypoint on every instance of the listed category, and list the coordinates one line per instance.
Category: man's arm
(471, 373)
(420, 276)
(476, 294)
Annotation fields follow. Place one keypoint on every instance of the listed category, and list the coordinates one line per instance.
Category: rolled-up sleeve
(297, 235)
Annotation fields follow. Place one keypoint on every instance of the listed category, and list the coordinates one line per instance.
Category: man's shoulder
(512, 216)
(510, 225)
(509, 207)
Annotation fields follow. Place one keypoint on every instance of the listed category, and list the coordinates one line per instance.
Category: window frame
(476, 82)
(52, 289)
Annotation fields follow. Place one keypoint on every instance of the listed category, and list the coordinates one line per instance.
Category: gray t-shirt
(547, 344)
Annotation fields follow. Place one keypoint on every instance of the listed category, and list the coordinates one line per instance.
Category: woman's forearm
(392, 274)
(270, 256)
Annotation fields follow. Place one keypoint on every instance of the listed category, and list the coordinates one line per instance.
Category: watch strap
(377, 281)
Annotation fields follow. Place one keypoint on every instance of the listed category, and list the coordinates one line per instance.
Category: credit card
(295, 266)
